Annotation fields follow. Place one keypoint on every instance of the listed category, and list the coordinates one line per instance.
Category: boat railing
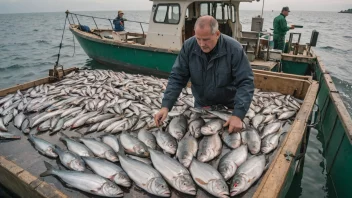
(72, 15)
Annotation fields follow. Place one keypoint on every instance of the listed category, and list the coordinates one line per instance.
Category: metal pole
(142, 29)
(112, 27)
(262, 8)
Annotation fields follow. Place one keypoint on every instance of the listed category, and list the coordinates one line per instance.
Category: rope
(62, 38)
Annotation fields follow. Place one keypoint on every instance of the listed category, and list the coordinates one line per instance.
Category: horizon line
(149, 10)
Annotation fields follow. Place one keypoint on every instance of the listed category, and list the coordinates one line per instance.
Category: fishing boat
(346, 11)
(297, 71)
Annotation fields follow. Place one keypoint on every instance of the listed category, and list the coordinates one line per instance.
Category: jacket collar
(220, 50)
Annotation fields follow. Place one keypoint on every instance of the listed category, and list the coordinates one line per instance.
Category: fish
(270, 129)
(232, 140)
(209, 148)
(231, 161)
(44, 147)
(253, 140)
(269, 143)
(144, 176)
(225, 116)
(257, 120)
(76, 147)
(166, 141)
(9, 136)
(100, 149)
(44, 126)
(173, 172)
(209, 179)
(46, 117)
(133, 145)
(186, 150)
(25, 126)
(141, 159)
(147, 138)
(86, 182)
(253, 168)
(178, 127)
(212, 127)
(70, 160)
(195, 127)
(19, 119)
(108, 170)
(112, 141)
(2, 125)
(286, 115)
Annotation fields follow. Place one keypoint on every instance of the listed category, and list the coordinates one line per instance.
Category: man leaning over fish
(219, 71)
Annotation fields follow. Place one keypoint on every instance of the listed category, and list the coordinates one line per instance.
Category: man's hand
(292, 27)
(234, 123)
(161, 116)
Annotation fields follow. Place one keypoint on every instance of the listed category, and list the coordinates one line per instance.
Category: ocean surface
(29, 44)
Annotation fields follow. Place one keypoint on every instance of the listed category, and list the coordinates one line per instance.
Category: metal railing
(93, 17)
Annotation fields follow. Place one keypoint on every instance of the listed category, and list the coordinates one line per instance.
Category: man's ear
(217, 33)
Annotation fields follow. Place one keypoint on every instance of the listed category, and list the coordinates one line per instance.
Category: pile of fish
(191, 151)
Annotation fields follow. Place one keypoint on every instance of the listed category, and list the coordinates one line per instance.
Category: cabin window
(220, 11)
(206, 9)
(167, 13)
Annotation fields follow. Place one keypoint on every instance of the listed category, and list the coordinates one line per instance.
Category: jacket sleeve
(283, 25)
(243, 75)
(178, 79)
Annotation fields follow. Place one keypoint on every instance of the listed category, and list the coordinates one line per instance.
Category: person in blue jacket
(119, 22)
(219, 70)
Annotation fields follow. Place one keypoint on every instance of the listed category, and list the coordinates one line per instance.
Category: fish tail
(49, 170)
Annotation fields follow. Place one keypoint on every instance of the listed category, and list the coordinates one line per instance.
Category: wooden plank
(275, 177)
(24, 183)
(284, 85)
(30, 84)
(261, 64)
(309, 78)
(344, 116)
(299, 58)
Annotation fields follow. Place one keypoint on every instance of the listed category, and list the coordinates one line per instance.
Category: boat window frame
(167, 13)
(211, 9)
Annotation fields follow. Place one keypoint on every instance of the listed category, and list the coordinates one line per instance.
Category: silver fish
(147, 138)
(270, 129)
(270, 142)
(100, 149)
(112, 141)
(44, 126)
(178, 127)
(232, 140)
(209, 179)
(99, 118)
(287, 115)
(25, 126)
(212, 127)
(166, 141)
(231, 161)
(186, 150)
(257, 120)
(44, 147)
(145, 176)
(108, 170)
(253, 140)
(5, 135)
(77, 147)
(209, 148)
(70, 160)
(141, 159)
(173, 172)
(133, 145)
(86, 182)
(252, 168)
(195, 127)
(2, 125)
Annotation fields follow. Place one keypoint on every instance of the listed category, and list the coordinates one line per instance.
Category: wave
(35, 30)
(12, 67)
(19, 66)
(19, 58)
(328, 47)
(347, 36)
(42, 41)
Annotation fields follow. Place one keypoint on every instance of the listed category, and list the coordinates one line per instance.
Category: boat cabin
(172, 22)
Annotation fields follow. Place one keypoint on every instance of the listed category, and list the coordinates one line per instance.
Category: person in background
(219, 70)
(119, 22)
(280, 29)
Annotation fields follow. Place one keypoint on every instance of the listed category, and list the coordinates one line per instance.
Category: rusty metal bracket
(289, 155)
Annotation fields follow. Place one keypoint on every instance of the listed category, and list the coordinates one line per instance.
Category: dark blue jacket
(227, 79)
(119, 24)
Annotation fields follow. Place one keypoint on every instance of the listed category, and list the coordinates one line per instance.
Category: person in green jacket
(280, 29)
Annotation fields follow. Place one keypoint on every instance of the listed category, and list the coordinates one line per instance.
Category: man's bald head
(207, 33)
(207, 21)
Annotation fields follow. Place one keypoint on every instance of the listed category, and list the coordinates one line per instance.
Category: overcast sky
(21, 6)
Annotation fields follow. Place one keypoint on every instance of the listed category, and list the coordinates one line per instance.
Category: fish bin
(93, 133)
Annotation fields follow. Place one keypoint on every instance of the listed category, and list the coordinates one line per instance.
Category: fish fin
(200, 181)
(49, 170)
